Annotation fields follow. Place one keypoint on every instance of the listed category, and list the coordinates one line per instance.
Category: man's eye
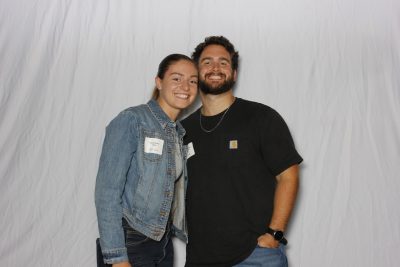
(194, 81)
(176, 79)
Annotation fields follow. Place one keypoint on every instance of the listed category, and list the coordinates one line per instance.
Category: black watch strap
(278, 235)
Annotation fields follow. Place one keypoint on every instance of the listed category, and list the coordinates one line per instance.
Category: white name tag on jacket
(153, 145)
(190, 151)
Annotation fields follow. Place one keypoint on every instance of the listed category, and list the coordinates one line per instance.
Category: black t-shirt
(232, 180)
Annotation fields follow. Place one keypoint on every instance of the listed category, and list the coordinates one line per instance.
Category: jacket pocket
(151, 162)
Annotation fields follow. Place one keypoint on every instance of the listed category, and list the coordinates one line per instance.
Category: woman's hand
(122, 264)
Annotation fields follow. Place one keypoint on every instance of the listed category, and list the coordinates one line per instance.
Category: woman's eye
(176, 79)
(194, 81)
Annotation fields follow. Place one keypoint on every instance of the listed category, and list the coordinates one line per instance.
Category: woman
(139, 187)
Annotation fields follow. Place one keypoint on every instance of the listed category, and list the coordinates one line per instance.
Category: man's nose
(215, 66)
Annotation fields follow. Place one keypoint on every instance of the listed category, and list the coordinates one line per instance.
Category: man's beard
(225, 87)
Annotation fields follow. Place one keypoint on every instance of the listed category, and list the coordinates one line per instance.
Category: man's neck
(214, 104)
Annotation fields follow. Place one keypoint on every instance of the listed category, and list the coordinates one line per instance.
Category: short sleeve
(277, 144)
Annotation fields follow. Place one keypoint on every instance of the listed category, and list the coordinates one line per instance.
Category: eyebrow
(176, 73)
(220, 58)
(180, 74)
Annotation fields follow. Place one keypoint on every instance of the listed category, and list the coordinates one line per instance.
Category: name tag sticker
(190, 151)
(153, 145)
(233, 144)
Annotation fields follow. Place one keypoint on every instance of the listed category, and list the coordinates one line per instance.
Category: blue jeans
(266, 257)
(145, 252)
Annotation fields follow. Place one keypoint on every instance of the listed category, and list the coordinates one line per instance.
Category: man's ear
(158, 83)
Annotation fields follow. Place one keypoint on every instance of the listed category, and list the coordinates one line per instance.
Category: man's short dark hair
(217, 40)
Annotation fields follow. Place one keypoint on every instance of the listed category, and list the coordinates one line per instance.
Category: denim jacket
(136, 177)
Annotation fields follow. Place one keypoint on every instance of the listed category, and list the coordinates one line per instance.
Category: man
(242, 169)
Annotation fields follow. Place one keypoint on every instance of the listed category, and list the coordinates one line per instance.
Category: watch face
(278, 235)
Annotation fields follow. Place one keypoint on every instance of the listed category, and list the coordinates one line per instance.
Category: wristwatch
(278, 235)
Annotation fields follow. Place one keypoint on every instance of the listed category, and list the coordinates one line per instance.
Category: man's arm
(284, 200)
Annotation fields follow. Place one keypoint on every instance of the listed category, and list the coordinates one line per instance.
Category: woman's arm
(118, 149)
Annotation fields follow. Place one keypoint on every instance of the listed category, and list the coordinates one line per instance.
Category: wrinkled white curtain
(330, 67)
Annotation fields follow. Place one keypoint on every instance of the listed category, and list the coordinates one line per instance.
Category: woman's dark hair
(217, 40)
(163, 68)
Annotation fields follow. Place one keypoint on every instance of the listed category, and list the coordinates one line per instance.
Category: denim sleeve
(118, 149)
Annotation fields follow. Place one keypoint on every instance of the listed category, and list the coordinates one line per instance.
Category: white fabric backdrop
(330, 67)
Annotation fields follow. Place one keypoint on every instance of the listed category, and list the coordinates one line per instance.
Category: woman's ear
(158, 83)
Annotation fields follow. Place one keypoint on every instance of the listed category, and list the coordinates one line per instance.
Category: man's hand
(122, 264)
(267, 241)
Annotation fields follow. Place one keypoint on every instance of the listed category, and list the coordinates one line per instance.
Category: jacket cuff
(115, 256)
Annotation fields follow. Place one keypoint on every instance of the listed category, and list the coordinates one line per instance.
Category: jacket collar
(163, 118)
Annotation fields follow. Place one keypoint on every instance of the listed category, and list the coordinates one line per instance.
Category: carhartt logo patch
(233, 144)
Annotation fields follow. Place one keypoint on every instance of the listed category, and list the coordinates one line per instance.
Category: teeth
(215, 77)
(182, 96)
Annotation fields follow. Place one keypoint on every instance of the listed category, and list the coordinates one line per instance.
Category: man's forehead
(215, 51)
